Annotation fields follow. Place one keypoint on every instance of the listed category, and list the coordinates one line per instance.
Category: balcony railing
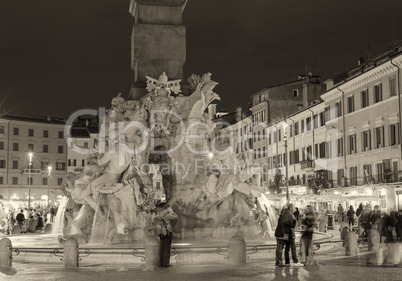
(33, 171)
(307, 164)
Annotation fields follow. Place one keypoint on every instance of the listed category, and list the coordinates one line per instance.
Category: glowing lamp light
(210, 155)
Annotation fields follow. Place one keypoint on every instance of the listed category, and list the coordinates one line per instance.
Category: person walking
(52, 214)
(359, 210)
(351, 216)
(282, 234)
(308, 224)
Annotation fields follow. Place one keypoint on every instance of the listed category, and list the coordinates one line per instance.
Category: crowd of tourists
(366, 217)
(29, 220)
(290, 219)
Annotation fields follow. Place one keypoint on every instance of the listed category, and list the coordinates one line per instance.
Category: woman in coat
(282, 234)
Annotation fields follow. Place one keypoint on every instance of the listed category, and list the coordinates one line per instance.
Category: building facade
(44, 138)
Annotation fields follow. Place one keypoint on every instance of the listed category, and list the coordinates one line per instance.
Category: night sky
(58, 56)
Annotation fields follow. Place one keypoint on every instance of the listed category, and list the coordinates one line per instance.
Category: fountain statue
(161, 148)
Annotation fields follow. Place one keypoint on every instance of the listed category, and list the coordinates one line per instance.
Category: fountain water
(58, 224)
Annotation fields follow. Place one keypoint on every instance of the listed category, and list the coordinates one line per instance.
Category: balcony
(307, 164)
(33, 171)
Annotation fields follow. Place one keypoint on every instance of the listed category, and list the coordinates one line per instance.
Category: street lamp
(285, 138)
(30, 154)
(49, 173)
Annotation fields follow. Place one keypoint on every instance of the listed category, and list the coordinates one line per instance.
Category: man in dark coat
(20, 218)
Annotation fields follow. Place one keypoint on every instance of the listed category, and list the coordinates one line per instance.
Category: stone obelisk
(158, 41)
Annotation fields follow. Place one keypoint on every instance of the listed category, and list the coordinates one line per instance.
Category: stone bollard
(374, 245)
(237, 250)
(5, 252)
(393, 254)
(343, 228)
(321, 226)
(351, 244)
(70, 253)
(16, 229)
(302, 257)
(48, 228)
(152, 252)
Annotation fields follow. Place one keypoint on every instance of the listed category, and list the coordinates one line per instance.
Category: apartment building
(44, 138)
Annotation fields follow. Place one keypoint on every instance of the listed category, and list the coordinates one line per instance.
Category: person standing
(359, 210)
(165, 220)
(308, 224)
(282, 234)
(340, 213)
(351, 216)
(290, 244)
(20, 219)
(52, 214)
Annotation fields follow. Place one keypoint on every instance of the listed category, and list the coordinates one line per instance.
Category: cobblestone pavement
(327, 270)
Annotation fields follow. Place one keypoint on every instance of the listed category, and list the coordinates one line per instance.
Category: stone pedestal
(351, 244)
(5, 252)
(237, 250)
(70, 251)
(344, 228)
(16, 229)
(152, 252)
(374, 245)
(393, 254)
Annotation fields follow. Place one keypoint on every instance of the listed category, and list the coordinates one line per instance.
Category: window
(83, 160)
(338, 109)
(340, 146)
(303, 129)
(16, 131)
(322, 119)
(353, 175)
(290, 131)
(1, 145)
(327, 114)
(351, 104)
(45, 133)
(30, 147)
(308, 123)
(366, 140)
(60, 149)
(60, 166)
(367, 174)
(392, 86)
(309, 153)
(296, 128)
(379, 137)
(1, 180)
(15, 180)
(341, 176)
(30, 132)
(269, 138)
(44, 181)
(2, 164)
(44, 164)
(59, 181)
(61, 135)
(15, 146)
(365, 98)
(380, 177)
(378, 93)
(1, 130)
(30, 180)
(352, 144)
(296, 154)
(394, 134)
(315, 121)
(322, 150)
(45, 148)
(15, 164)
(295, 93)
(316, 151)
(75, 162)
(263, 151)
(69, 162)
